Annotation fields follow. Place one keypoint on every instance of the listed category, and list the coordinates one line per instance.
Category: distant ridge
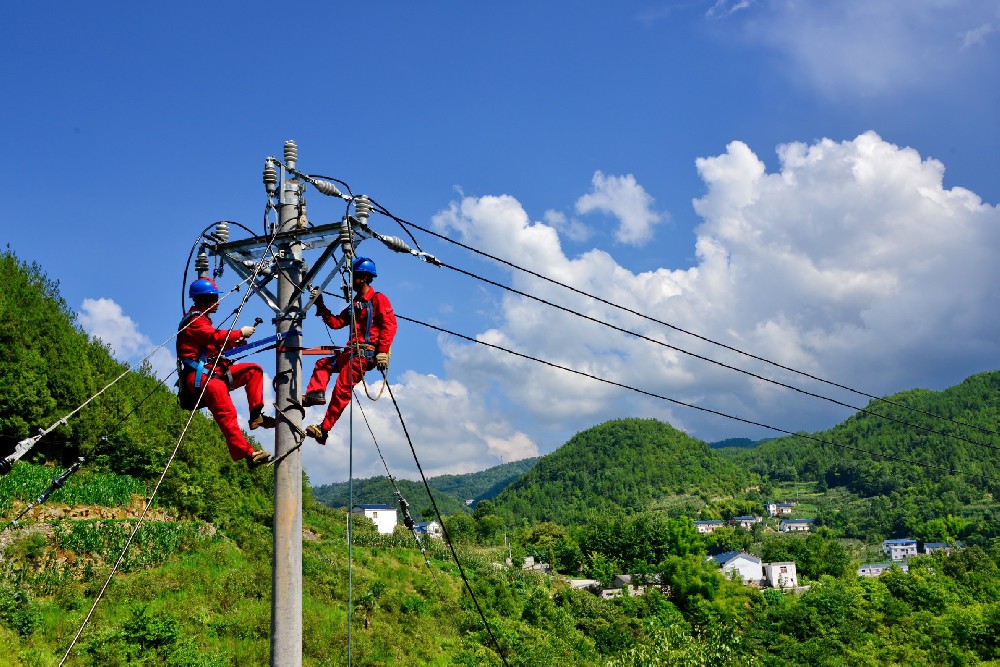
(450, 491)
(901, 456)
(736, 443)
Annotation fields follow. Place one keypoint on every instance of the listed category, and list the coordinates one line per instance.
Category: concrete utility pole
(287, 192)
(286, 582)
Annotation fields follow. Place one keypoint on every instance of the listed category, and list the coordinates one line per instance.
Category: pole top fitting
(270, 177)
(291, 153)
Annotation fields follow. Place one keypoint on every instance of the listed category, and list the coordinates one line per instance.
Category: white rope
(25, 445)
(173, 454)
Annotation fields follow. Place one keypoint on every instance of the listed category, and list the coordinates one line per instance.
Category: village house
(899, 549)
(875, 569)
(781, 575)
(746, 565)
(626, 582)
(753, 572)
(384, 516)
(706, 527)
(530, 564)
(943, 547)
(429, 528)
(795, 525)
(745, 522)
(779, 509)
(584, 584)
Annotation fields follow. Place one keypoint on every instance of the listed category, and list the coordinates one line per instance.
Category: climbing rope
(24, 446)
(404, 506)
(444, 530)
(173, 454)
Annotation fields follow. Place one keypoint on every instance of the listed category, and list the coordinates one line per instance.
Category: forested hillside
(378, 490)
(918, 437)
(625, 464)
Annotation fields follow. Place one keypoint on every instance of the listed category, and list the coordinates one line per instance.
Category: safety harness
(364, 308)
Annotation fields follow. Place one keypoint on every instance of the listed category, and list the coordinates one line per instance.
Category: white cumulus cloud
(104, 319)
(625, 199)
(453, 432)
(851, 262)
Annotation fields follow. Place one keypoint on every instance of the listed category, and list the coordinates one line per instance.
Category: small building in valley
(706, 527)
(781, 575)
(430, 528)
(876, 569)
(746, 565)
(384, 516)
(795, 525)
(779, 509)
(745, 522)
(900, 549)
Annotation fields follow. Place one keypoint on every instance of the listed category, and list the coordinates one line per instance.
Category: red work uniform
(375, 327)
(201, 343)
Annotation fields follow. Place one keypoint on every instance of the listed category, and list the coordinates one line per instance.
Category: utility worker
(368, 344)
(199, 349)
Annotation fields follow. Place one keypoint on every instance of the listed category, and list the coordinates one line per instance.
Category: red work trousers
(350, 370)
(220, 404)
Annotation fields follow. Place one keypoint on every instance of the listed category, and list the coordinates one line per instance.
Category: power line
(697, 407)
(674, 327)
(718, 363)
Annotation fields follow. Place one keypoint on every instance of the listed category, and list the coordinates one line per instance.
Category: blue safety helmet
(203, 287)
(364, 265)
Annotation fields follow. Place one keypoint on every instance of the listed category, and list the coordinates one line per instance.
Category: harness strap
(198, 365)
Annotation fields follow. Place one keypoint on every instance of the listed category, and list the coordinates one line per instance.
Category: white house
(431, 528)
(795, 525)
(899, 549)
(875, 569)
(931, 547)
(781, 575)
(705, 527)
(745, 522)
(779, 509)
(384, 516)
(748, 565)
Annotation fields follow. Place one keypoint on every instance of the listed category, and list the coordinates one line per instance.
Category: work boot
(317, 432)
(313, 398)
(258, 457)
(261, 421)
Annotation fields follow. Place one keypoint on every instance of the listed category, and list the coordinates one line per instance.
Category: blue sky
(815, 183)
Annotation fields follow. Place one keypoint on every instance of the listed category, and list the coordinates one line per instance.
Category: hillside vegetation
(624, 464)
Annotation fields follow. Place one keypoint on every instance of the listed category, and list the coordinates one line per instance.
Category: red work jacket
(382, 327)
(201, 336)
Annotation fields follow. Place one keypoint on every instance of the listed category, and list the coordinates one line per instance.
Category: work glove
(317, 295)
(382, 361)
(246, 332)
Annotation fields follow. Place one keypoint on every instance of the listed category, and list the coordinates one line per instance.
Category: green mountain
(450, 491)
(625, 464)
